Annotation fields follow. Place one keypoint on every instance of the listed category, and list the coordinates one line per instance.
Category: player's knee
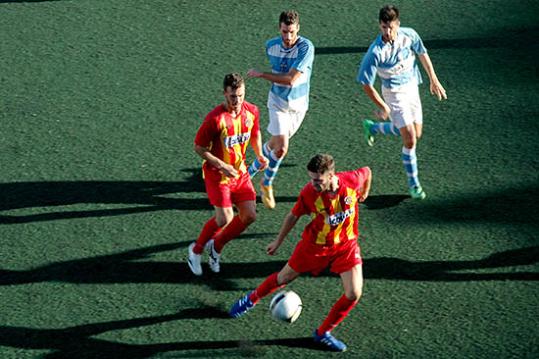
(224, 220)
(281, 151)
(354, 294)
(248, 217)
(410, 142)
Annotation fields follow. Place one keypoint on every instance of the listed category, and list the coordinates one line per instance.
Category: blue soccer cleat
(242, 306)
(329, 342)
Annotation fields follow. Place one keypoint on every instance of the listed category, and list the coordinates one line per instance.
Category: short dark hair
(289, 17)
(233, 80)
(321, 163)
(388, 13)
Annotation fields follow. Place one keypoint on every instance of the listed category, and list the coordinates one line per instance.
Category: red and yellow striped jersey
(334, 215)
(227, 137)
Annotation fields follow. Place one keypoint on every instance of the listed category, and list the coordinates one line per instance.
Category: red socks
(338, 312)
(208, 232)
(231, 231)
(268, 286)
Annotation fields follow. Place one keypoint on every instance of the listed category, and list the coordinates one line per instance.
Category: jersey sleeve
(205, 133)
(305, 57)
(362, 175)
(300, 208)
(366, 74)
(417, 43)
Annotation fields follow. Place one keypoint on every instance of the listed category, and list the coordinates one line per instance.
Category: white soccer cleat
(194, 260)
(213, 257)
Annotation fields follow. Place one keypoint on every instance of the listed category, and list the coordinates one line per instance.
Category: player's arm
(383, 109)
(284, 79)
(288, 223)
(436, 87)
(366, 187)
(225, 168)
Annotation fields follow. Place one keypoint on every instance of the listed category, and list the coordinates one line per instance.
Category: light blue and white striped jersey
(394, 63)
(300, 57)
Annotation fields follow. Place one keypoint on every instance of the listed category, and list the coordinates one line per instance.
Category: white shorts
(405, 105)
(284, 122)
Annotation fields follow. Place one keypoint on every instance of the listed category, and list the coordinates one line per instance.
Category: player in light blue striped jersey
(291, 58)
(392, 57)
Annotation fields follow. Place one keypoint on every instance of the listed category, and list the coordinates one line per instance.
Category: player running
(291, 57)
(392, 57)
(221, 141)
(329, 240)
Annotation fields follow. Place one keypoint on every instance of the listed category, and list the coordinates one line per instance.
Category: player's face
(389, 30)
(234, 98)
(289, 34)
(321, 181)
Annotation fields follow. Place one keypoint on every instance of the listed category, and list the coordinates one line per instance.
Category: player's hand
(382, 114)
(438, 90)
(271, 249)
(229, 171)
(363, 196)
(254, 73)
(263, 162)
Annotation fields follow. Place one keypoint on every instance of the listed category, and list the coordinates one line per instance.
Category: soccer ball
(285, 306)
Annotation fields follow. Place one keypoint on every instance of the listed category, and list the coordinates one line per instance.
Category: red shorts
(313, 258)
(236, 190)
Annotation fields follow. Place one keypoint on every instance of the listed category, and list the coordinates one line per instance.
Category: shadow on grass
(79, 342)
(127, 267)
(516, 38)
(134, 196)
(506, 206)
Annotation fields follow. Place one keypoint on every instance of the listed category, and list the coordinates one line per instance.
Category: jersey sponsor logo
(340, 217)
(241, 138)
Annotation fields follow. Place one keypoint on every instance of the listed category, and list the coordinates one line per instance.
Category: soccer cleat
(242, 306)
(267, 195)
(213, 256)
(417, 192)
(329, 341)
(193, 260)
(369, 138)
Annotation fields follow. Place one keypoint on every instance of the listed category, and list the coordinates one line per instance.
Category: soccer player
(291, 57)
(221, 141)
(392, 57)
(329, 240)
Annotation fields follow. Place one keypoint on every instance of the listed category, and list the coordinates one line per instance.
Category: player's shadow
(512, 38)
(80, 341)
(130, 267)
(507, 206)
(384, 201)
(133, 196)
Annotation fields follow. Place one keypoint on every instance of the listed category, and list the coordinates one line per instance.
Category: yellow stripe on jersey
(238, 147)
(337, 208)
(320, 208)
(350, 193)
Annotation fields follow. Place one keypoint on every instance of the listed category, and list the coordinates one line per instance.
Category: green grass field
(100, 190)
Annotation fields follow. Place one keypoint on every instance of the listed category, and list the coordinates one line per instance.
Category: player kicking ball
(329, 240)
(392, 57)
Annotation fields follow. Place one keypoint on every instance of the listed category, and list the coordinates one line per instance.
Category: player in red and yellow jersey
(329, 240)
(221, 141)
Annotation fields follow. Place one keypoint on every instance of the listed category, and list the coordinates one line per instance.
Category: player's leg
(272, 283)
(348, 264)
(243, 195)
(371, 128)
(409, 160)
(220, 197)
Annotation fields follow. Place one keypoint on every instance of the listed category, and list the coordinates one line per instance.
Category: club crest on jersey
(231, 141)
(348, 200)
(249, 122)
(340, 217)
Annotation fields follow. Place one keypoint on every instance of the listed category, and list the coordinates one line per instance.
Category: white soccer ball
(285, 306)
